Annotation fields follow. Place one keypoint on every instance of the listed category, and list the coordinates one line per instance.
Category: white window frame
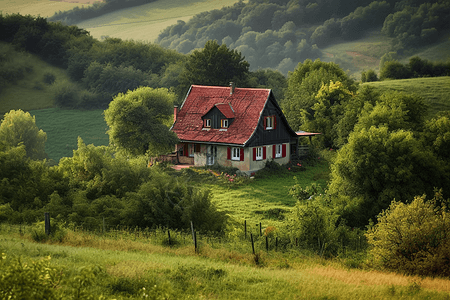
(235, 153)
(207, 122)
(191, 149)
(278, 150)
(259, 153)
(224, 123)
(269, 122)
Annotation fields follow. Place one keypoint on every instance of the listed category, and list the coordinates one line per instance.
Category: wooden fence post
(168, 234)
(267, 243)
(260, 229)
(245, 229)
(253, 244)
(47, 223)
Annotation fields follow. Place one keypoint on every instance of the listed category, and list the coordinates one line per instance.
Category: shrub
(49, 78)
(413, 238)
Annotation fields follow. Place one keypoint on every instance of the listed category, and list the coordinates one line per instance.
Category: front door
(211, 153)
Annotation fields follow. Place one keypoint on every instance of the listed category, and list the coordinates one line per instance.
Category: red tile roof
(246, 104)
(226, 110)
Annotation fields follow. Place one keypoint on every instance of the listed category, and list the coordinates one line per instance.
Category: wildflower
(289, 169)
(231, 179)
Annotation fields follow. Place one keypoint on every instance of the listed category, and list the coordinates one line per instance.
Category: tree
(138, 121)
(20, 127)
(304, 84)
(214, 65)
(413, 238)
(394, 70)
(377, 166)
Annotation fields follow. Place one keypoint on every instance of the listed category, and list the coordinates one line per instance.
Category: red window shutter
(274, 147)
(264, 152)
(254, 153)
(274, 122)
(283, 153)
(242, 154)
(265, 122)
(186, 150)
(197, 147)
(229, 153)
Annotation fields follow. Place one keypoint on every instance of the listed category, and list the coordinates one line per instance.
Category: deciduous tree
(20, 127)
(138, 121)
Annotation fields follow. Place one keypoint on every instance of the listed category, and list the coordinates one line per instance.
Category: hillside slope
(43, 8)
(30, 91)
(145, 22)
(434, 90)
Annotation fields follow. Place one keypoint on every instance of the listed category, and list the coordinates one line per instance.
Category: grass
(43, 8)
(64, 126)
(359, 55)
(31, 92)
(145, 22)
(266, 199)
(434, 90)
(129, 265)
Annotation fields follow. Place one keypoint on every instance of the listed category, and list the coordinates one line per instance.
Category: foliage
(78, 14)
(377, 166)
(214, 65)
(307, 193)
(304, 84)
(416, 67)
(414, 26)
(413, 238)
(138, 121)
(368, 76)
(19, 127)
(326, 113)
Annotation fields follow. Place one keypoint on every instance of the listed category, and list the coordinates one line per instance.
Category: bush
(49, 78)
(413, 238)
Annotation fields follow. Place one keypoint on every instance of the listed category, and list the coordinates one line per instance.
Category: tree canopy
(19, 127)
(214, 65)
(138, 121)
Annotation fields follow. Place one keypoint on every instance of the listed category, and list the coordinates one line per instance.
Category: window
(269, 122)
(259, 153)
(207, 122)
(224, 123)
(278, 150)
(235, 153)
(191, 150)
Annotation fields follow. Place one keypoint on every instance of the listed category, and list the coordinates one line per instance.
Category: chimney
(232, 87)
(175, 113)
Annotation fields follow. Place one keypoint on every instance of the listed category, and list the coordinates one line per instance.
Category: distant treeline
(101, 69)
(416, 67)
(78, 14)
(280, 33)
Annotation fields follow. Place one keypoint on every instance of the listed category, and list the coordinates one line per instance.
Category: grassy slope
(435, 90)
(145, 22)
(43, 8)
(282, 276)
(259, 200)
(31, 92)
(63, 127)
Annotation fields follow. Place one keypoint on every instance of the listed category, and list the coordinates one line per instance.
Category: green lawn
(63, 127)
(434, 90)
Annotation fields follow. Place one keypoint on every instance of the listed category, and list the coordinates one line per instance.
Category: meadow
(145, 22)
(63, 127)
(43, 8)
(131, 267)
(434, 90)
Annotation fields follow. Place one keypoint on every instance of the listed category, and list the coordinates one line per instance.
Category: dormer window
(269, 122)
(207, 123)
(224, 123)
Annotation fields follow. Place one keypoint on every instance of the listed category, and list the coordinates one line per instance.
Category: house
(235, 127)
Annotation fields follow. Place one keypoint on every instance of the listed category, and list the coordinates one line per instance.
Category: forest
(388, 159)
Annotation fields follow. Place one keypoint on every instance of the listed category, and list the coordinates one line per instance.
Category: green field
(63, 127)
(434, 90)
(43, 8)
(145, 22)
(129, 266)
